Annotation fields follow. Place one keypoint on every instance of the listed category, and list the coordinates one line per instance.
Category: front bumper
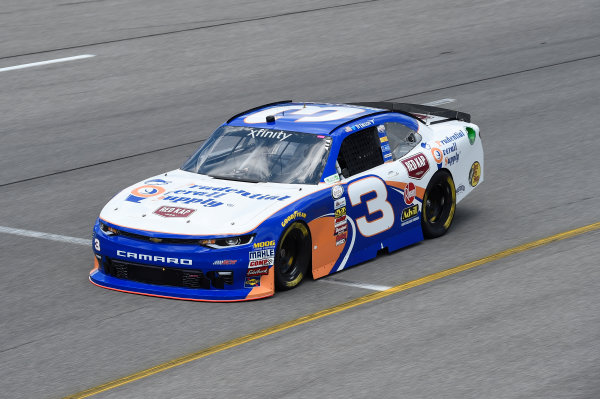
(174, 271)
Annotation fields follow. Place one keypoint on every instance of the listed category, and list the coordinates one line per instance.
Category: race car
(286, 191)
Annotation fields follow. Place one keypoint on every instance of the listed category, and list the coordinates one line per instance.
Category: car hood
(185, 203)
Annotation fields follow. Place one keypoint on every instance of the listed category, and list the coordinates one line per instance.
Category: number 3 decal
(356, 190)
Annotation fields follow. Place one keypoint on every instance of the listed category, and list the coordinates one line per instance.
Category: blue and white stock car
(285, 191)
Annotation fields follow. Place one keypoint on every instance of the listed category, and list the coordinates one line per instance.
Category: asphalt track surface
(165, 74)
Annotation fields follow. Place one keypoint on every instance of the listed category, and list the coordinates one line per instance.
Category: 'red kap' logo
(416, 166)
(173, 212)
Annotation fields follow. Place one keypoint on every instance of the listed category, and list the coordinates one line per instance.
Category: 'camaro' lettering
(150, 258)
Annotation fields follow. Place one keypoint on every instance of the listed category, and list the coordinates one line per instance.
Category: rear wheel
(439, 204)
(292, 257)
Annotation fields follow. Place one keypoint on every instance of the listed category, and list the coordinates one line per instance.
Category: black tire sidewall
(285, 282)
(433, 230)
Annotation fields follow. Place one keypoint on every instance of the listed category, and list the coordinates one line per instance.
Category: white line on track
(34, 64)
(45, 236)
(372, 287)
(440, 102)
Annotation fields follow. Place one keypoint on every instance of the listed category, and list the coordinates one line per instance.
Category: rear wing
(424, 113)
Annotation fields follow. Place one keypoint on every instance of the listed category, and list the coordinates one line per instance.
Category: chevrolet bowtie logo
(156, 239)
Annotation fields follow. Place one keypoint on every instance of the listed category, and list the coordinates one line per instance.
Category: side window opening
(360, 151)
(401, 138)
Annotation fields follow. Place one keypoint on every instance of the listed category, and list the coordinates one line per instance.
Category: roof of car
(317, 118)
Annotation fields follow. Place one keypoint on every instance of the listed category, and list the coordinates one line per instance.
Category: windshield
(261, 155)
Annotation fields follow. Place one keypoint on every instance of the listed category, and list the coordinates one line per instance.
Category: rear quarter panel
(450, 145)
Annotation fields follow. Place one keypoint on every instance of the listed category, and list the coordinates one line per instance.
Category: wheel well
(447, 170)
(303, 222)
(309, 272)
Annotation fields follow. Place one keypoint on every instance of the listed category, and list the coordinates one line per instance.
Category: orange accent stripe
(266, 288)
(401, 185)
(326, 253)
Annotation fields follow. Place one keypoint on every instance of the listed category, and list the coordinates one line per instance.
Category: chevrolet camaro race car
(285, 191)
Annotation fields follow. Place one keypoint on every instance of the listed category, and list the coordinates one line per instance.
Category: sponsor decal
(230, 190)
(359, 126)
(268, 134)
(438, 156)
(151, 258)
(385, 145)
(340, 220)
(450, 139)
(416, 165)
(293, 216)
(471, 134)
(410, 212)
(150, 188)
(332, 179)
(337, 191)
(225, 262)
(451, 159)
(139, 194)
(423, 117)
(261, 262)
(340, 229)
(173, 212)
(409, 221)
(460, 189)
(340, 242)
(252, 282)
(342, 236)
(258, 271)
(262, 253)
(264, 244)
(338, 203)
(340, 212)
(475, 174)
(410, 192)
(205, 195)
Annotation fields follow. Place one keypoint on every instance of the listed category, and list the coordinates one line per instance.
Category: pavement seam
(240, 21)
(389, 99)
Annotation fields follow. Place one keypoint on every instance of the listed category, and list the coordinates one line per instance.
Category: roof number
(308, 113)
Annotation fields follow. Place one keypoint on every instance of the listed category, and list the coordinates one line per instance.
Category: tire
(439, 204)
(292, 256)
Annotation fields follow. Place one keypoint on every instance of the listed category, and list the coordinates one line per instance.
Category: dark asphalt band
(497, 76)
(389, 99)
(101, 163)
(241, 21)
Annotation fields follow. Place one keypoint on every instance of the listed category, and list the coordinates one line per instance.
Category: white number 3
(357, 190)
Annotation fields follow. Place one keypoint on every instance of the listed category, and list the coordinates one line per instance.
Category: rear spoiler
(419, 111)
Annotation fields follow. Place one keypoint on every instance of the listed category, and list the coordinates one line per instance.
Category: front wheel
(292, 256)
(439, 204)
